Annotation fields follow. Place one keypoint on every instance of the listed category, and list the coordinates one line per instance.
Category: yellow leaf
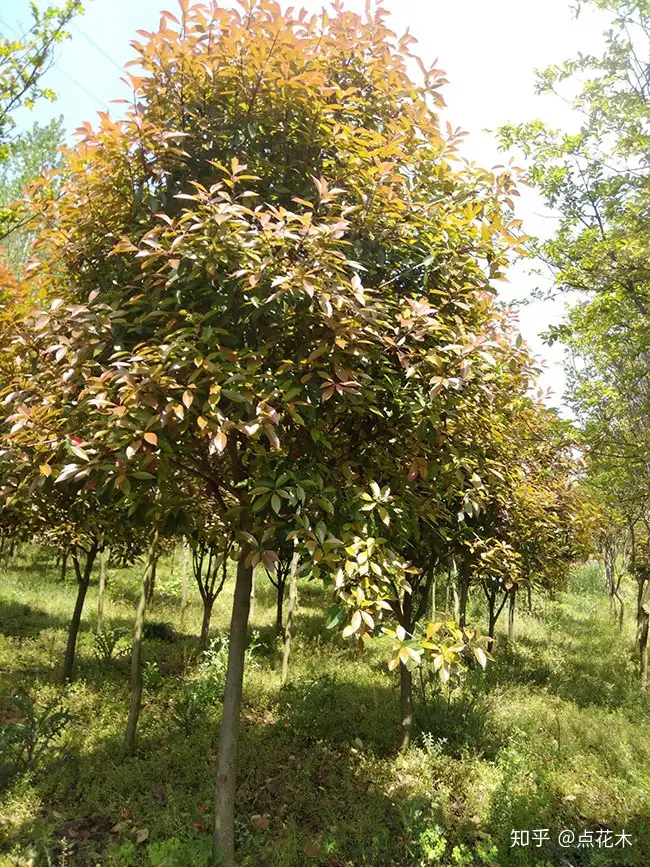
(46, 470)
(151, 438)
(202, 422)
(187, 399)
(480, 655)
(220, 441)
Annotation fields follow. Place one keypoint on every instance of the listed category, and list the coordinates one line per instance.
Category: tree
(309, 339)
(597, 179)
(31, 153)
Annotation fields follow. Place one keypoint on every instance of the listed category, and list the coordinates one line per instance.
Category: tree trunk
(100, 592)
(492, 620)
(279, 605)
(83, 580)
(252, 605)
(406, 678)
(136, 650)
(433, 598)
(152, 583)
(529, 593)
(223, 841)
(512, 593)
(64, 565)
(208, 602)
(73, 631)
(291, 610)
(184, 584)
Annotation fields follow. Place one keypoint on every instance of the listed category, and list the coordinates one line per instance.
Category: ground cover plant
(558, 738)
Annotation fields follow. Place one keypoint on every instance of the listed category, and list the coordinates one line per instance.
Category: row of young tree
(596, 179)
(260, 316)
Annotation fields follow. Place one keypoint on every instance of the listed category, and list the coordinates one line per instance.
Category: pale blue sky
(488, 48)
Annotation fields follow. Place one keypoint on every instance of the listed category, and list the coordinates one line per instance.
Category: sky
(488, 48)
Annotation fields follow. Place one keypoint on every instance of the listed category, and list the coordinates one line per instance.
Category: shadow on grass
(304, 790)
(21, 620)
(582, 663)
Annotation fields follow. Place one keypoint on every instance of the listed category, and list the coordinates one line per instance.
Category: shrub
(25, 741)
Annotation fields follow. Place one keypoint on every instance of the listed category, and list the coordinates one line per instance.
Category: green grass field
(555, 735)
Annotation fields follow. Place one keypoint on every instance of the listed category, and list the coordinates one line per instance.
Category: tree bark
(223, 841)
(291, 610)
(205, 626)
(492, 621)
(136, 650)
(406, 678)
(83, 580)
(152, 583)
(64, 565)
(101, 590)
(279, 604)
(529, 593)
(252, 605)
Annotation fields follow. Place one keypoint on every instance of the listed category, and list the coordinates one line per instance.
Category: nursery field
(555, 735)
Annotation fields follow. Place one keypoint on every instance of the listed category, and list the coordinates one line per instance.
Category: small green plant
(26, 740)
(174, 852)
(206, 690)
(425, 841)
(110, 644)
(151, 676)
(461, 856)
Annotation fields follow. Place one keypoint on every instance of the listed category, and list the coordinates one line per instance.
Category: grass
(555, 735)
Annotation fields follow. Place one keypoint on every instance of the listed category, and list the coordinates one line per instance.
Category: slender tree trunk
(184, 582)
(492, 621)
(291, 611)
(279, 605)
(529, 594)
(512, 593)
(136, 650)
(73, 631)
(101, 590)
(152, 583)
(208, 602)
(406, 680)
(223, 840)
(83, 580)
(64, 565)
(433, 598)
